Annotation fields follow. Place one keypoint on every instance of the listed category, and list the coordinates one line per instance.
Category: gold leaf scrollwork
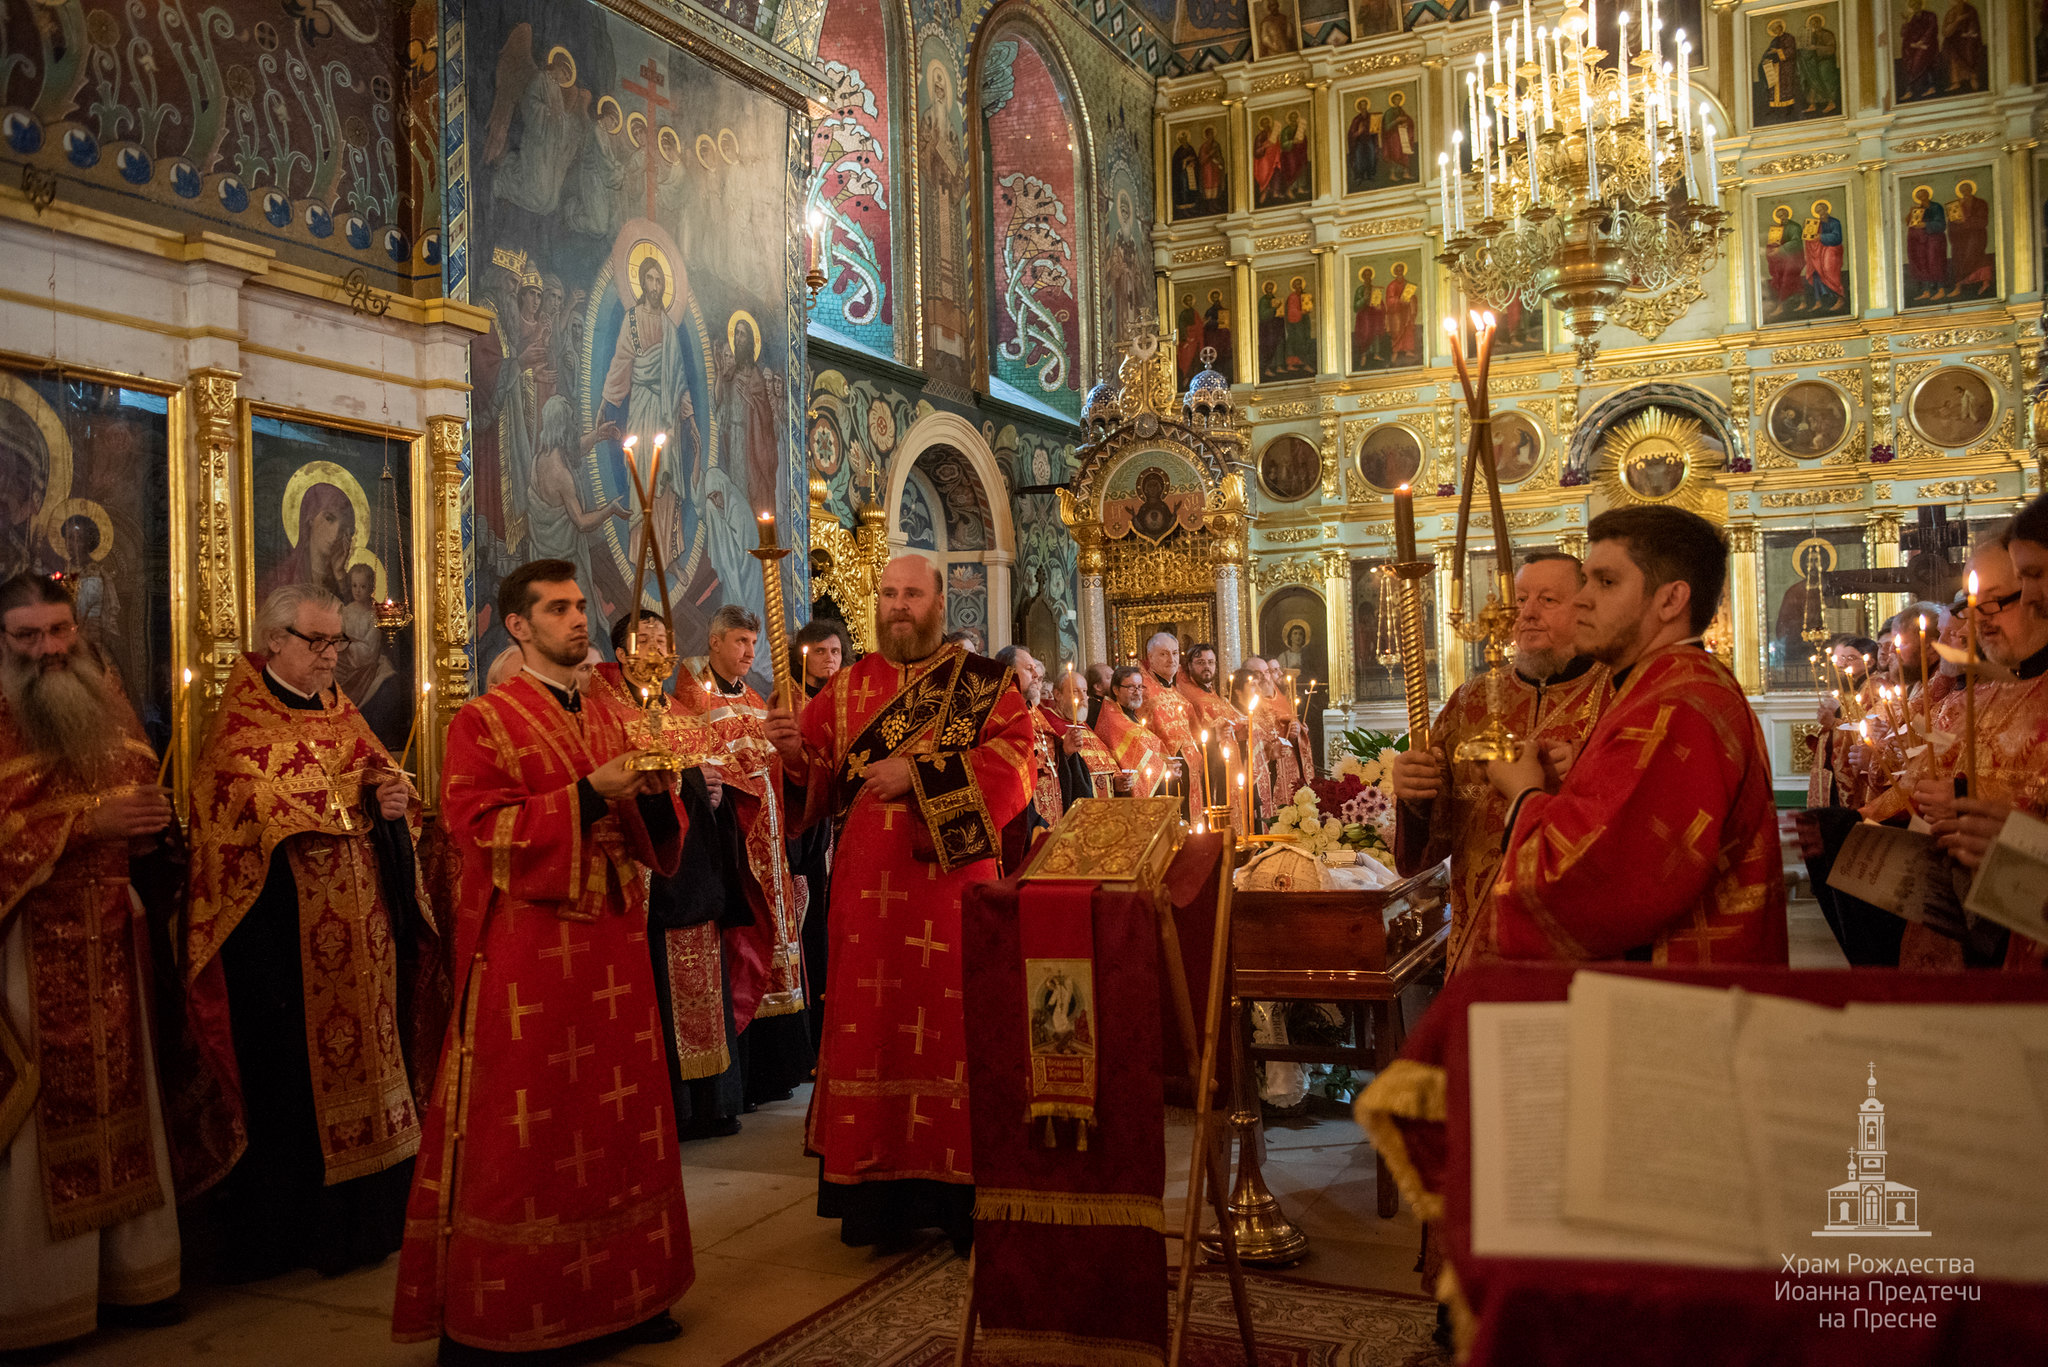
(1648, 318)
(1850, 379)
(451, 608)
(1808, 351)
(220, 611)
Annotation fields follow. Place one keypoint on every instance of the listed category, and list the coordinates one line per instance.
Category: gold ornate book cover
(1119, 840)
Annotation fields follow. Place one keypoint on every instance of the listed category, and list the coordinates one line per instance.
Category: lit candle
(1650, 145)
(1527, 27)
(1592, 25)
(654, 466)
(1404, 524)
(1970, 696)
(184, 721)
(1926, 708)
(426, 687)
(1494, 10)
(1458, 183)
(1443, 185)
(768, 531)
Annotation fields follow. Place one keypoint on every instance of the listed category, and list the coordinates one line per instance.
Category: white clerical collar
(295, 692)
(569, 687)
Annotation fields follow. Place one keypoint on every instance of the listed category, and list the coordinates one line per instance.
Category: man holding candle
(88, 1218)
(1553, 697)
(549, 1207)
(1169, 716)
(1138, 752)
(763, 951)
(300, 945)
(1228, 730)
(922, 753)
(1659, 842)
(1059, 773)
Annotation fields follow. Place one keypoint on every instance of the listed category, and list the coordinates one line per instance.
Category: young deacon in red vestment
(923, 751)
(547, 1206)
(1660, 842)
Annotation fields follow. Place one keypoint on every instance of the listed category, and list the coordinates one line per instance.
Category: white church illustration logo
(1870, 1204)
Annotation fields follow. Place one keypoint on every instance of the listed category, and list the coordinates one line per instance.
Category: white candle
(1526, 26)
(1543, 77)
(1592, 26)
(1458, 176)
(1514, 39)
(1621, 24)
(1494, 9)
(1592, 168)
(1529, 146)
(1443, 185)
(1683, 72)
(1713, 171)
(1650, 144)
(1646, 20)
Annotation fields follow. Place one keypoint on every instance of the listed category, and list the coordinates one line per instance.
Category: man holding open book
(1661, 841)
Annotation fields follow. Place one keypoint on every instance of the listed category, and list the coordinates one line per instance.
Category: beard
(1619, 646)
(906, 640)
(62, 711)
(1541, 664)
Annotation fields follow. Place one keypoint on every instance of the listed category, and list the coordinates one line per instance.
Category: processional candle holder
(1494, 623)
(1411, 568)
(393, 614)
(662, 741)
(770, 553)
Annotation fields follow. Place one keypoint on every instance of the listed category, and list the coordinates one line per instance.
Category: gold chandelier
(1592, 181)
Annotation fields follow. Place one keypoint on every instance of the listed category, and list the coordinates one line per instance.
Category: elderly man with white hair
(304, 898)
(1170, 716)
(924, 752)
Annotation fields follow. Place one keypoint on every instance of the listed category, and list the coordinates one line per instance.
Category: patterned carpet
(908, 1317)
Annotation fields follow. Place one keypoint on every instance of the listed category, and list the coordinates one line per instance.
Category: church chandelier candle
(1588, 182)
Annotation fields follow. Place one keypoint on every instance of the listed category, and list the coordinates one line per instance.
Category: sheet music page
(1931, 1108)
(1649, 1142)
(1518, 1065)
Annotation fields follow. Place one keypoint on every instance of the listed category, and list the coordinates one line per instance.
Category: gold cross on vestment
(566, 951)
(637, 1297)
(890, 811)
(535, 1223)
(866, 692)
(651, 1036)
(878, 982)
(579, 1158)
(885, 896)
(658, 1136)
(920, 1030)
(477, 1285)
(1649, 737)
(584, 1261)
(910, 1130)
(523, 1119)
(612, 990)
(927, 944)
(515, 1012)
(662, 1233)
(621, 1089)
(571, 1056)
(540, 1330)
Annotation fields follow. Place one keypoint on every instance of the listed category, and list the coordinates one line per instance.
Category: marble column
(1229, 618)
(1745, 603)
(1337, 619)
(998, 565)
(1094, 621)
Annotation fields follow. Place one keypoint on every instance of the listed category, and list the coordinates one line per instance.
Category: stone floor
(765, 1261)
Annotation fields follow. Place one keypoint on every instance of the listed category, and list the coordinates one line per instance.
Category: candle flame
(188, 678)
(426, 687)
(1973, 588)
(630, 442)
(660, 440)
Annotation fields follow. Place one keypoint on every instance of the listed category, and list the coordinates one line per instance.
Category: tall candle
(1494, 10)
(1543, 62)
(768, 542)
(1458, 182)
(1621, 61)
(1927, 708)
(1713, 185)
(1970, 695)
(1404, 525)
(1443, 186)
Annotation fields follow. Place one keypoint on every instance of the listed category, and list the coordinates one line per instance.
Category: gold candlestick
(1495, 622)
(770, 554)
(663, 740)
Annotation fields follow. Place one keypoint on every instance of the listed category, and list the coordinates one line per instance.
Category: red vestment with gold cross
(1171, 717)
(766, 959)
(891, 1097)
(1226, 727)
(271, 776)
(547, 1203)
(1135, 747)
(67, 890)
(1663, 837)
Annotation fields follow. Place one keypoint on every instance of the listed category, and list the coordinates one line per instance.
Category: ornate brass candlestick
(1495, 622)
(770, 554)
(662, 740)
(1265, 1236)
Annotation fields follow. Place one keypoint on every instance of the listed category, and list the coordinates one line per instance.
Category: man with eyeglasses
(1139, 753)
(1553, 695)
(88, 1221)
(2012, 738)
(301, 948)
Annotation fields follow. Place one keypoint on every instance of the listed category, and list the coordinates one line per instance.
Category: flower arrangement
(1353, 808)
(1881, 453)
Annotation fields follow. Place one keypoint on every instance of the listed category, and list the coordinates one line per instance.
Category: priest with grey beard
(88, 1218)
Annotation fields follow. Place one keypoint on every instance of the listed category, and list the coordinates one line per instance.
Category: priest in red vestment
(306, 904)
(1552, 695)
(1171, 717)
(1209, 710)
(547, 1206)
(1066, 711)
(1138, 752)
(1059, 772)
(1659, 840)
(88, 1219)
(923, 752)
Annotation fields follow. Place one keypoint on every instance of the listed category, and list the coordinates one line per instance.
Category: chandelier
(1592, 180)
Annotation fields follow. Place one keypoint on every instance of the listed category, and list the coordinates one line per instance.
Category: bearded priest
(1659, 841)
(1169, 716)
(1552, 696)
(548, 1207)
(305, 898)
(88, 1224)
(923, 752)
(1138, 752)
(1060, 769)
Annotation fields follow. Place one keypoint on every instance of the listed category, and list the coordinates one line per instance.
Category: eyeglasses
(1991, 607)
(26, 638)
(319, 645)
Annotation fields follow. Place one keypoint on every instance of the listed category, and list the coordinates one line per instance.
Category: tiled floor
(765, 1261)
